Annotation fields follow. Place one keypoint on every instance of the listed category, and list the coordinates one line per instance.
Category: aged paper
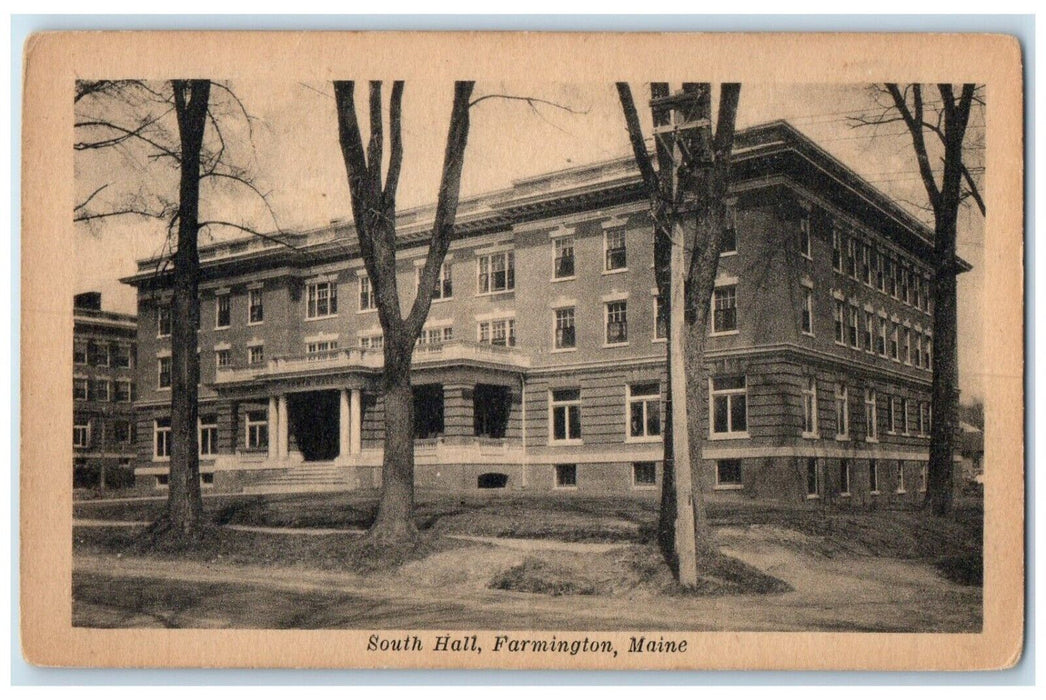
(538, 378)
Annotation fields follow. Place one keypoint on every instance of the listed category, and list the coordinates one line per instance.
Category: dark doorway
(428, 411)
(313, 419)
(490, 406)
(492, 480)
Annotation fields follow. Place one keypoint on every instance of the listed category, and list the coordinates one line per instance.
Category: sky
(291, 149)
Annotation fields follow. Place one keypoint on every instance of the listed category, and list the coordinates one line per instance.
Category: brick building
(104, 363)
(541, 366)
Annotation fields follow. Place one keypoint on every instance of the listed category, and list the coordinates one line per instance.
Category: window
(444, 285)
(893, 342)
(100, 390)
(566, 476)
(842, 413)
(497, 272)
(918, 350)
(123, 390)
(616, 322)
(563, 262)
(917, 289)
(891, 276)
(614, 249)
(873, 476)
(222, 311)
(122, 356)
(869, 331)
(896, 415)
(866, 264)
(255, 306)
(321, 300)
(728, 474)
(208, 435)
(98, 354)
(433, 338)
(500, 332)
(257, 430)
(844, 477)
(810, 408)
(880, 277)
(851, 257)
(729, 408)
(79, 389)
(840, 336)
(813, 478)
(79, 352)
(900, 477)
(724, 309)
(121, 432)
(660, 319)
(837, 250)
(880, 342)
(924, 418)
(906, 414)
(928, 355)
(222, 358)
(320, 347)
(871, 416)
(372, 342)
(163, 320)
(906, 345)
(728, 245)
(806, 320)
(853, 319)
(804, 235)
(163, 372)
(644, 411)
(81, 434)
(644, 474)
(565, 334)
(162, 438)
(256, 354)
(566, 414)
(367, 300)
(905, 292)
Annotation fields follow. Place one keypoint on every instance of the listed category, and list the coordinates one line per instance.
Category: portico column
(343, 423)
(355, 409)
(281, 421)
(274, 427)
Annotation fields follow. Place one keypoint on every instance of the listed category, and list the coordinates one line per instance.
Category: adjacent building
(104, 366)
(541, 365)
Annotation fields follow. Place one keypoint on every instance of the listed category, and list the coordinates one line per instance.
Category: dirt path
(449, 590)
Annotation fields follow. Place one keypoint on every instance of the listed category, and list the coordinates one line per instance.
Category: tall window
(80, 390)
(897, 413)
(163, 373)
(256, 355)
(122, 356)
(813, 478)
(871, 417)
(163, 320)
(893, 342)
(123, 390)
(853, 321)
(851, 256)
(223, 358)
(806, 320)
(924, 418)
(100, 390)
(208, 435)
(889, 414)
(873, 476)
(918, 349)
(891, 277)
(724, 309)
(729, 409)
(928, 355)
(869, 331)
(804, 235)
(729, 242)
(905, 291)
(563, 262)
(644, 410)
(255, 306)
(866, 263)
(257, 430)
(810, 408)
(917, 289)
(840, 333)
(99, 353)
(121, 432)
(81, 434)
(906, 410)
(614, 247)
(880, 341)
(321, 300)
(565, 336)
(616, 322)
(497, 272)
(900, 477)
(162, 438)
(844, 477)
(79, 352)
(444, 286)
(566, 414)
(500, 332)
(222, 314)
(837, 250)
(906, 345)
(660, 319)
(880, 277)
(842, 413)
(366, 288)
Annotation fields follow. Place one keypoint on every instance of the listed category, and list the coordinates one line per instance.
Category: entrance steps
(308, 477)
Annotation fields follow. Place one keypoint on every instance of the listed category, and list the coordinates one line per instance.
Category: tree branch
(392, 177)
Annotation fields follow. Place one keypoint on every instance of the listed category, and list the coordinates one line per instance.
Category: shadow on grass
(963, 569)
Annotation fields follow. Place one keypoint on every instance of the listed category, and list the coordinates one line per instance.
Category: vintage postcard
(522, 351)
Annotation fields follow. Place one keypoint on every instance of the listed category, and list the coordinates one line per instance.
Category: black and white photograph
(584, 365)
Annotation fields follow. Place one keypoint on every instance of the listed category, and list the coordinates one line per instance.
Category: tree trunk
(394, 521)
(184, 503)
(945, 401)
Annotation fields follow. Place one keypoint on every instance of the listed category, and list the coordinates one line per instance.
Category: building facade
(104, 366)
(541, 365)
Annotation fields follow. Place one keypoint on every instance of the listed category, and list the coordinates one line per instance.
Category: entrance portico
(306, 415)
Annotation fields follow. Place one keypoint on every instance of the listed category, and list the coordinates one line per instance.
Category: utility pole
(682, 125)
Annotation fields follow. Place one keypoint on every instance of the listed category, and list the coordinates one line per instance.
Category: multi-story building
(541, 365)
(104, 366)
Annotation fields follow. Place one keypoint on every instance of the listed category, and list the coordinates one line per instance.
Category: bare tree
(131, 119)
(688, 200)
(938, 129)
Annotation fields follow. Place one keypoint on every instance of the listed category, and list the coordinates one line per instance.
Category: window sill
(646, 439)
(222, 328)
(807, 256)
(497, 293)
(659, 340)
(320, 318)
(617, 271)
(644, 487)
(616, 345)
(813, 496)
(728, 253)
(809, 334)
(367, 311)
(845, 495)
(729, 436)
(440, 300)
(256, 323)
(163, 388)
(901, 492)
(565, 443)
(874, 441)
(564, 488)
(555, 351)
(811, 436)
(842, 438)
(728, 487)
(720, 334)
(564, 279)
(874, 493)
